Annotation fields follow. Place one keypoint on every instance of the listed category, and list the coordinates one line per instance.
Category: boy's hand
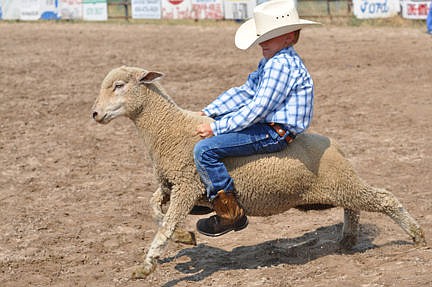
(204, 131)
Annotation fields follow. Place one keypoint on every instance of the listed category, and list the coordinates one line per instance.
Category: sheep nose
(95, 115)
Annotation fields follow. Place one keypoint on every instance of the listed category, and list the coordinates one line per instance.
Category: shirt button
(267, 136)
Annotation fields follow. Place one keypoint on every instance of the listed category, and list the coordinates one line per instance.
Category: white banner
(29, 10)
(207, 9)
(146, 9)
(11, 9)
(95, 10)
(365, 9)
(415, 9)
(70, 9)
(176, 9)
(239, 9)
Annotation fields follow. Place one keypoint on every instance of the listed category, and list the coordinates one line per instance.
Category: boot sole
(200, 210)
(234, 228)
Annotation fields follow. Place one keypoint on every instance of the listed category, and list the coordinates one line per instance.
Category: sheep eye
(118, 85)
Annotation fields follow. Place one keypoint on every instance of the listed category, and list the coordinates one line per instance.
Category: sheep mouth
(108, 115)
(104, 120)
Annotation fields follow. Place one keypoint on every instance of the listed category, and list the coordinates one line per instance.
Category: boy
(429, 20)
(262, 116)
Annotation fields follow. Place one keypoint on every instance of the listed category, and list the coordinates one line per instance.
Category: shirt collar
(284, 50)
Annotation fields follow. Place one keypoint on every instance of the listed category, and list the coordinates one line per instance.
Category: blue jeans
(208, 153)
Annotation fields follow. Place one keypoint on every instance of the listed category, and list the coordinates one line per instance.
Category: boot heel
(241, 224)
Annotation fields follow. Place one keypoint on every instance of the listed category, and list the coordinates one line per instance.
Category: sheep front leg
(178, 209)
(156, 202)
(149, 265)
(350, 228)
(160, 197)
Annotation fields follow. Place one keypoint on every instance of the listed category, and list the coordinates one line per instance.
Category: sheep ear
(149, 77)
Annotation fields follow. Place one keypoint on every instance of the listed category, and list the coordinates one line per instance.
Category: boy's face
(272, 46)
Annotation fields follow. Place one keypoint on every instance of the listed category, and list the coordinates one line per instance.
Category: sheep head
(120, 93)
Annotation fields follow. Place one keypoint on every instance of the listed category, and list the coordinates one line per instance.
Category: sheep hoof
(183, 236)
(419, 238)
(143, 271)
(348, 242)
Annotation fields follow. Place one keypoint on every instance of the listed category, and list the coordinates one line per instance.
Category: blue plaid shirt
(279, 91)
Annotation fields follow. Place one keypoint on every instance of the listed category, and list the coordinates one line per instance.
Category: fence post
(120, 3)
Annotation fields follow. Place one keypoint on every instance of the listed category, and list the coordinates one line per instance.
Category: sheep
(310, 172)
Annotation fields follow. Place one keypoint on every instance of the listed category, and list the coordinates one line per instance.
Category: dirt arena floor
(74, 195)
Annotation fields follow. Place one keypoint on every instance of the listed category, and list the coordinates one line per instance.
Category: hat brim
(246, 35)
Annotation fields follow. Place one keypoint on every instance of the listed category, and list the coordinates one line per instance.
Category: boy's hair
(296, 37)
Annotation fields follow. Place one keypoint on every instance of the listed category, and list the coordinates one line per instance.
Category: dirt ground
(74, 195)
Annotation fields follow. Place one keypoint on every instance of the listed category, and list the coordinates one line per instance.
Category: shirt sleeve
(271, 91)
(234, 98)
(228, 101)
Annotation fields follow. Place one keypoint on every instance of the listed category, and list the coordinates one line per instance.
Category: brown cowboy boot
(229, 216)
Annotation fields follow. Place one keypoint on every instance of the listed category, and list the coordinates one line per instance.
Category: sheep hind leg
(350, 228)
(380, 200)
(409, 225)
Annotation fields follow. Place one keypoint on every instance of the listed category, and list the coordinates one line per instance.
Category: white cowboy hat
(271, 19)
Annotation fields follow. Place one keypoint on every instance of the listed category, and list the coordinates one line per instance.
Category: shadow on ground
(206, 260)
